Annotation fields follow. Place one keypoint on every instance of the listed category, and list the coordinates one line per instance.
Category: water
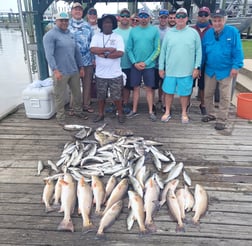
(14, 76)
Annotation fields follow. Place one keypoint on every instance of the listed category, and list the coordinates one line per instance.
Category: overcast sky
(6, 5)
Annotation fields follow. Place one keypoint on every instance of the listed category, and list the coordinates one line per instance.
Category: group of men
(169, 57)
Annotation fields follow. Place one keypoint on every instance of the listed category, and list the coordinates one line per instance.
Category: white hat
(62, 16)
(181, 10)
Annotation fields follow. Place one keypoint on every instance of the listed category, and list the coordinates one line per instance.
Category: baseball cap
(163, 12)
(204, 9)
(172, 11)
(75, 5)
(125, 10)
(181, 10)
(143, 11)
(62, 16)
(219, 13)
(92, 11)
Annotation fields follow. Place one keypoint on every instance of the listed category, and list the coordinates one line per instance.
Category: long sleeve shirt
(223, 53)
(181, 52)
(144, 45)
(62, 52)
(83, 34)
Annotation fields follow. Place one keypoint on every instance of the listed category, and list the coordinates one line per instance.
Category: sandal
(71, 112)
(165, 118)
(208, 118)
(184, 119)
(88, 109)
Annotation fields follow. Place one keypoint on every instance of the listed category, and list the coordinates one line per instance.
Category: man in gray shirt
(64, 59)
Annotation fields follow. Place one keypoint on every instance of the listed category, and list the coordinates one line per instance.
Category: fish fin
(100, 236)
(66, 226)
(89, 228)
(180, 228)
(151, 227)
(49, 209)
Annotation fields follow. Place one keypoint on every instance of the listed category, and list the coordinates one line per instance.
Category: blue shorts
(148, 76)
(181, 86)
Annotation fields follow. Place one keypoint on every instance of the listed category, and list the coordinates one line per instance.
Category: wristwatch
(106, 53)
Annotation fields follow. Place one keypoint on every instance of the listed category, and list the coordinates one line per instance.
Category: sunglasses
(92, 13)
(203, 14)
(125, 15)
(143, 16)
(135, 20)
(179, 16)
(163, 13)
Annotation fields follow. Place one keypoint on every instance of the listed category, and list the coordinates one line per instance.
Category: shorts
(181, 86)
(115, 85)
(127, 72)
(148, 76)
(158, 80)
(201, 80)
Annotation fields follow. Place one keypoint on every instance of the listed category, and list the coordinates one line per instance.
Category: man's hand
(234, 72)
(57, 74)
(161, 73)
(140, 66)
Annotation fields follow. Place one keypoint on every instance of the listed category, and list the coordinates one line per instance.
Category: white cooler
(39, 102)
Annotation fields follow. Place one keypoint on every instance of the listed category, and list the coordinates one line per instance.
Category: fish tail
(88, 227)
(180, 228)
(151, 227)
(66, 225)
(100, 235)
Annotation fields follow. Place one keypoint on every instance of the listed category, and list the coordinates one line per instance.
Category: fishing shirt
(124, 33)
(222, 55)
(144, 45)
(83, 34)
(181, 52)
(61, 51)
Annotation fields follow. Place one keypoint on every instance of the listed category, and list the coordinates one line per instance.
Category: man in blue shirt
(64, 59)
(223, 57)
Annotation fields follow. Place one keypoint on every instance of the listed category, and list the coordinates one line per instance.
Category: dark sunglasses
(125, 15)
(135, 20)
(163, 13)
(92, 12)
(183, 16)
(143, 16)
(203, 14)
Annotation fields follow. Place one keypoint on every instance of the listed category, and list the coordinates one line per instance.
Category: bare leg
(101, 106)
(136, 95)
(168, 102)
(184, 102)
(149, 97)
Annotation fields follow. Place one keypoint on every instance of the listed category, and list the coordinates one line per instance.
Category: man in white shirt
(108, 48)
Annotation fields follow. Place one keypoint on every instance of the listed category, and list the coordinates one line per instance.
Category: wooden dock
(219, 161)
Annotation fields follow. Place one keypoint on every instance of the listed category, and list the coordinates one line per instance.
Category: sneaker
(220, 126)
(81, 115)
(111, 108)
(61, 122)
(126, 109)
(121, 119)
(202, 109)
(132, 114)
(188, 107)
(152, 117)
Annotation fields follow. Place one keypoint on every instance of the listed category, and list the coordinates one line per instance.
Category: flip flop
(184, 119)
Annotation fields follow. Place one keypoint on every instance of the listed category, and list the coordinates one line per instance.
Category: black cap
(218, 13)
(92, 11)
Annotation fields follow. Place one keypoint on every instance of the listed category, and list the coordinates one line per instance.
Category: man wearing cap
(92, 20)
(179, 63)
(83, 34)
(64, 59)
(223, 57)
(124, 30)
(201, 26)
(143, 48)
(108, 48)
(162, 29)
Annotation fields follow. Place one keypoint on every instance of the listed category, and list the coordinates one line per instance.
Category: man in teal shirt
(143, 48)
(179, 63)
(124, 30)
